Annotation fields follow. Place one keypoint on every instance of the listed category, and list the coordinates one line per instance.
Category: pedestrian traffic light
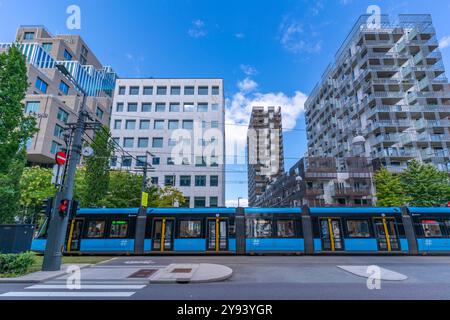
(47, 206)
(63, 208)
(74, 209)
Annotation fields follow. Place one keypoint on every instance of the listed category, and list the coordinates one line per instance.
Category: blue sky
(268, 51)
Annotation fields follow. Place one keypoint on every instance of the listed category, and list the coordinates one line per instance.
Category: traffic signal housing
(63, 208)
(47, 207)
(73, 209)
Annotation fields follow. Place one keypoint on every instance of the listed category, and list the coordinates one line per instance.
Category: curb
(200, 273)
(49, 277)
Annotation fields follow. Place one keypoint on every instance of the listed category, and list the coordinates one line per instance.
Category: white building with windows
(178, 127)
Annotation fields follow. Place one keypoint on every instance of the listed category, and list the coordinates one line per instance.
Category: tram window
(358, 228)
(431, 228)
(190, 229)
(286, 229)
(259, 228)
(96, 229)
(447, 225)
(119, 229)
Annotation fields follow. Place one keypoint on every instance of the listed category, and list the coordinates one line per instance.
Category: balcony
(350, 192)
(396, 153)
(314, 192)
(423, 124)
(433, 154)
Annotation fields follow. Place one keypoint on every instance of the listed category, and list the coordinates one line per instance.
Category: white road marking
(87, 287)
(70, 294)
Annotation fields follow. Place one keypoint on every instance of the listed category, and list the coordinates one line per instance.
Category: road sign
(61, 158)
(144, 199)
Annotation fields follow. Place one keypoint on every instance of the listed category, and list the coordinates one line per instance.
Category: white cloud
(294, 37)
(239, 108)
(248, 70)
(234, 203)
(240, 35)
(445, 42)
(197, 30)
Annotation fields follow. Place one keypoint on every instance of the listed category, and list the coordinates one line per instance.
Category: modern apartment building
(322, 182)
(265, 153)
(387, 93)
(178, 127)
(51, 97)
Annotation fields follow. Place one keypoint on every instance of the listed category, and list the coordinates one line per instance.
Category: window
(144, 124)
(203, 124)
(113, 162)
(159, 125)
(213, 202)
(190, 228)
(116, 141)
(160, 107)
(285, 229)
(119, 107)
(41, 85)
(188, 124)
(189, 91)
(122, 91)
(143, 143)
(203, 91)
(33, 107)
(259, 228)
(128, 142)
(214, 124)
(119, 229)
(64, 87)
(134, 91)
(169, 181)
(431, 228)
(173, 124)
(172, 142)
(28, 36)
(130, 124)
(358, 228)
(148, 91)
(96, 229)
(83, 60)
(154, 181)
(215, 91)
(146, 107)
(215, 107)
(175, 91)
(161, 91)
(187, 202)
(170, 161)
(200, 181)
(200, 202)
(67, 55)
(188, 107)
(157, 143)
(214, 161)
(156, 161)
(55, 147)
(174, 107)
(99, 113)
(127, 161)
(214, 181)
(200, 161)
(58, 132)
(117, 124)
(141, 161)
(132, 107)
(185, 181)
(202, 107)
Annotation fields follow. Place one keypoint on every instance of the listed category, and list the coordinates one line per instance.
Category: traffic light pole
(58, 224)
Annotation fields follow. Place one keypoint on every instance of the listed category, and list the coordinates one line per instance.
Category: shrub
(16, 264)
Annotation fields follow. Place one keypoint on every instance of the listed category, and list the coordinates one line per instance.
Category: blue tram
(310, 231)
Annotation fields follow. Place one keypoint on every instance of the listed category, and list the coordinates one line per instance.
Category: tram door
(217, 235)
(74, 239)
(163, 234)
(331, 233)
(387, 234)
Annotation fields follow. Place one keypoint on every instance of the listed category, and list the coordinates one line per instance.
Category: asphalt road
(278, 278)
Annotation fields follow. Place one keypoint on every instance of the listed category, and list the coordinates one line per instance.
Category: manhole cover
(181, 270)
(143, 273)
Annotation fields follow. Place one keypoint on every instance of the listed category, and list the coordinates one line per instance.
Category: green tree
(169, 196)
(35, 187)
(97, 169)
(15, 129)
(425, 185)
(389, 189)
(125, 191)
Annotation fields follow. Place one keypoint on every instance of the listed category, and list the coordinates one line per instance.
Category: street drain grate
(181, 270)
(143, 273)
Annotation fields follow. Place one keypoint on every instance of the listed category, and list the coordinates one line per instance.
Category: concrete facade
(177, 126)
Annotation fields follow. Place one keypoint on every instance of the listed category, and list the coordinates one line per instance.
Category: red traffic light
(64, 207)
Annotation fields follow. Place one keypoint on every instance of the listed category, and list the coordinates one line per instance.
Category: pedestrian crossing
(87, 289)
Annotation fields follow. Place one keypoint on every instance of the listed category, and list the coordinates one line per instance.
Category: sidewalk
(40, 276)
